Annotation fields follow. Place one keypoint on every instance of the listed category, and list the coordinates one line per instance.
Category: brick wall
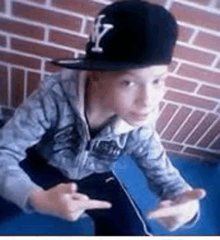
(32, 32)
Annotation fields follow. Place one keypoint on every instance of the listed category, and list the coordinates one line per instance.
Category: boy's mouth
(139, 116)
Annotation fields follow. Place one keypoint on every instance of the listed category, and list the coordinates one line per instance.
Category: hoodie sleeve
(163, 178)
(25, 129)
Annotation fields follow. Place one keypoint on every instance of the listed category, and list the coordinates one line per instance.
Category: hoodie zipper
(84, 149)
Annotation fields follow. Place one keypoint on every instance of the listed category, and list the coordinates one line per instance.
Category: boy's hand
(64, 201)
(174, 214)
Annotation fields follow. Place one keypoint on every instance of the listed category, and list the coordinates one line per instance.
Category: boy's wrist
(34, 199)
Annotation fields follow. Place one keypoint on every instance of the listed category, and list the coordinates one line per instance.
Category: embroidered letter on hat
(97, 35)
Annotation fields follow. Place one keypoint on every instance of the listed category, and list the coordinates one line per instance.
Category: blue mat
(197, 174)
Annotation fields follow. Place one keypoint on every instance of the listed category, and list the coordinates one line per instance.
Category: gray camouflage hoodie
(53, 119)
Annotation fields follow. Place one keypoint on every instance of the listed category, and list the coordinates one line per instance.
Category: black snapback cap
(128, 34)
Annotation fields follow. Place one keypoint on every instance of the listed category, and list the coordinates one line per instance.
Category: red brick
(3, 85)
(17, 83)
(172, 147)
(21, 28)
(185, 33)
(196, 16)
(172, 66)
(2, 5)
(218, 64)
(161, 106)
(89, 26)
(39, 49)
(199, 73)
(209, 91)
(2, 41)
(200, 130)
(216, 144)
(178, 83)
(46, 16)
(208, 41)
(190, 100)
(193, 55)
(160, 2)
(67, 39)
(165, 116)
(203, 2)
(212, 133)
(202, 154)
(176, 122)
(189, 126)
(33, 82)
(49, 67)
(86, 7)
(20, 60)
(38, 1)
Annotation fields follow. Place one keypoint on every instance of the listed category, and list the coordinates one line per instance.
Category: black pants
(123, 219)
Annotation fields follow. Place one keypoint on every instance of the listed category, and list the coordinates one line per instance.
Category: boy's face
(132, 94)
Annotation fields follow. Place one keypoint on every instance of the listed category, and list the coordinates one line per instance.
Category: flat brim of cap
(94, 65)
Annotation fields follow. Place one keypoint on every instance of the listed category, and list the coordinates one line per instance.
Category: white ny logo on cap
(97, 36)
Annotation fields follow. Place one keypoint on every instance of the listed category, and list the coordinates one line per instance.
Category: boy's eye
(127, 83)
(157, 81)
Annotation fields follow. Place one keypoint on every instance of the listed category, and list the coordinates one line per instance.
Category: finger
(76, 215)
(95, 204)
(71, 187)
(195, 194)
(164, 212)
(73, 216)
(79, 196)
(162, 204)
(171, 223)
(165, 203)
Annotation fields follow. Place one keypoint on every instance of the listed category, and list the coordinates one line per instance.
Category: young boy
(80, 122)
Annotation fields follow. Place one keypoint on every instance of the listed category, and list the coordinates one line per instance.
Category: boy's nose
(143, 97)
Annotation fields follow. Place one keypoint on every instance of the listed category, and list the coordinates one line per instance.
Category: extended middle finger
(95, 204)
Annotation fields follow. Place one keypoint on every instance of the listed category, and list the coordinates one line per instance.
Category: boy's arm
(163, 178)
(30, 121)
